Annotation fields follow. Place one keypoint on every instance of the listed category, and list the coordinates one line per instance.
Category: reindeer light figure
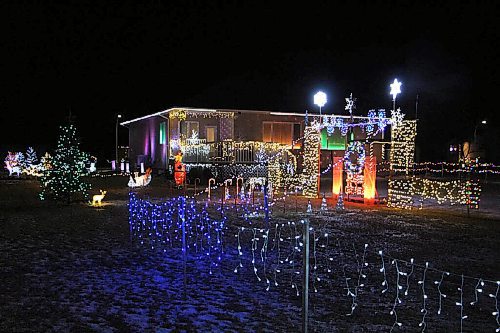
(12, 163)
(97, 198)
(13, 169)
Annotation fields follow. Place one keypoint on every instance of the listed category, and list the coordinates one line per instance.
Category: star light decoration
(395, 89)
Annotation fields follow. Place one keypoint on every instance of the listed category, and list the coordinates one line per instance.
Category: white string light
(159, 227)
(441, 295)
(382, 270)
(408, 277)
(254, 247)
(461, 304)
(423, 324)
(263, 256)
(496, 313)
(360, 275)
(314, 277)
(397, 300)
(477, 289)
(240, 253)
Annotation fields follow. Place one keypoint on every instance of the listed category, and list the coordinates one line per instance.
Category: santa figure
(179, 170)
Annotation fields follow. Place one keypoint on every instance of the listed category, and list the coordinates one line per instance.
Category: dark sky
(101, 58)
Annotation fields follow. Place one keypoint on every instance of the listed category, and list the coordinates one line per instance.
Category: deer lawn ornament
(97, 198)
(12, 169)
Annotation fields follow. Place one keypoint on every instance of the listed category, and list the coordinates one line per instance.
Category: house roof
(274, 113)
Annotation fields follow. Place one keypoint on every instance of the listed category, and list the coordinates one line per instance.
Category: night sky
(97, 59)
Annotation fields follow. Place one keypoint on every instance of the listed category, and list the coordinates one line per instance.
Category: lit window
(211, 133)
(163, 133)
(278, 132)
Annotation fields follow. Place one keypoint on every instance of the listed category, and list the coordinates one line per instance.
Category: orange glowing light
(337, 175)
(370, 174)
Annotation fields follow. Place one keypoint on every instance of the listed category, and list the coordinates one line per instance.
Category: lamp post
(483, 122)
(320, 100)
(116, 142)
(395, 90)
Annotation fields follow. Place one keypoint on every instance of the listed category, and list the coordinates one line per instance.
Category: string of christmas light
(360, 267)
(315, 265)
(348, 288)
(397, 300)
(408, 275)
(64, 179)
(441, 295)
(461, 305)
(382, 270)
(289, 242)
(496, 313)
(310, 174)
(477, 289)
(456, 192)
(423, 324)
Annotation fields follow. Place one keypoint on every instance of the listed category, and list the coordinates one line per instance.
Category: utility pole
(416, 108)
(116, 141)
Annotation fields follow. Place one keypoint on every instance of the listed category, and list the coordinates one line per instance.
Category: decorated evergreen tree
(309, 206)
(64, 180)
(340, 203)
(31, 158)
(324, 205)
(46, 161)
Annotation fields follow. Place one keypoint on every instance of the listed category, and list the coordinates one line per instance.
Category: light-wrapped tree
(31, 158)
(64, 181)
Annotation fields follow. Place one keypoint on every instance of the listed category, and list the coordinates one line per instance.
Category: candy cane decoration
(209, 187)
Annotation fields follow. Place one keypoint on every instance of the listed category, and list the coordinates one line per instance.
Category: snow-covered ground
(77, 269)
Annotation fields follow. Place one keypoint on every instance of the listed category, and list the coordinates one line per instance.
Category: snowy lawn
(76, 269)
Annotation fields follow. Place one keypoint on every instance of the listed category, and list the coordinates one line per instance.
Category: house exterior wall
(203, 124)
(359, 135)
(144, 143)
(248, 126)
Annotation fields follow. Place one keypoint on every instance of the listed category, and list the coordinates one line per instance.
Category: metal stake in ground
(195, 187)
(305, 281)
(266, 205)
(182, 215)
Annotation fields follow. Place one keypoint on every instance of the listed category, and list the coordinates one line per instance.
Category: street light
(116, 146)
(320, 100)
(484, 122)
(395, 90)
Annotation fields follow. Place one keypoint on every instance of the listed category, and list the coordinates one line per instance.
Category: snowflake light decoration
(350, 104)
(397, 118)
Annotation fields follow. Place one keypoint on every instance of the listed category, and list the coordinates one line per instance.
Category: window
(163, 133)
(335, 141)
(191, 128)
(297, 135)
(278, 132)
(211, 133)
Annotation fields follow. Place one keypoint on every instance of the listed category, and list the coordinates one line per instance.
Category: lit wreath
(358, 148)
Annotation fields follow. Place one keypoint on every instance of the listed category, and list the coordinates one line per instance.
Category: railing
(230, 152)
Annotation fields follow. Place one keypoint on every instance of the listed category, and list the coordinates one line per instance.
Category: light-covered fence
(345, 278)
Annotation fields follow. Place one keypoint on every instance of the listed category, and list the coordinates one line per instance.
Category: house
(240, 137)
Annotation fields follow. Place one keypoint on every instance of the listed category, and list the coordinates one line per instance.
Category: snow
(75, 268)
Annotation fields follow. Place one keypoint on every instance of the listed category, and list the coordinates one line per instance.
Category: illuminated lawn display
(260, 230)
(237, 239)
